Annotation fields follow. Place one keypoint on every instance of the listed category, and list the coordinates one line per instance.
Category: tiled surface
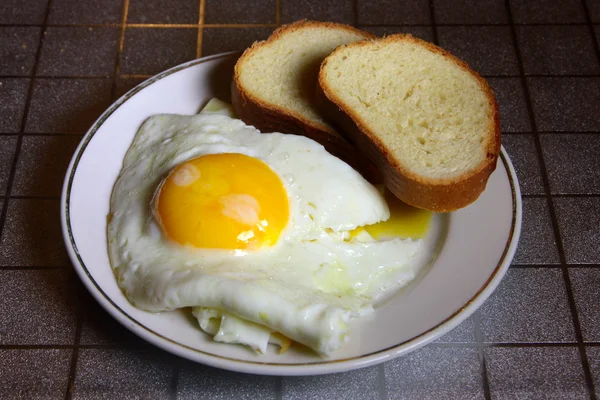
(565, 104)
(493, 52)
(557, 50)
(547, 11)
(42, 165)
(8, 145)
(510, 96)
(537, 244)
(216, 41)
(38, 307)
(525, 332)
(71, 12)
(470, 12)
(238, 12)
(435, 373)
(572, 162)
(78, 52)
(390, 12)
(586, 282)
(523, 154)
(123, 373)
(163, 11)
(536, 373)
(31, 235)
(335, 10)
(216, 384)
(150, 51)
(17, 52)
(360, 384)
(76, 103)
(34, 373)
(530, 305)
(13, 96)
(579, 219)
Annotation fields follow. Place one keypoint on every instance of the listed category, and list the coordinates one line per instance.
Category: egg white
(307, 286)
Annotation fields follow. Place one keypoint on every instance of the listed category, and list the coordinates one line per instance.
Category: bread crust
(439, 195)
(268, 117)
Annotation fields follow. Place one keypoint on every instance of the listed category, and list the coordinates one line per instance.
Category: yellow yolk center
(222, 201)
(405, 222)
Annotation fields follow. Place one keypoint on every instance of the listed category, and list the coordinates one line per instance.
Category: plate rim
(323, 366)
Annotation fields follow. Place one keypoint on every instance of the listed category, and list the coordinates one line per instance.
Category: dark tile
(593, 355)
(42, 164)
(566, 104)
(530, 305)
(579, 219)
(572, 162)
(8, 144)
(547, 11)
(15, 12)
(38, 307)
(423, 32)
(32, 235)
(99, 328)
(536, 373)
(470, 11)
(523, 154)
(218, 40)
(79, 51)
(123, 373)
(463, 333)
(489, 50)
(13, 95)
(67, 105)
(164, 11)
(537, 244)
(359, 384)
(435, 373)
(199, 381)
(85, 12)
(585, 283)
(334, 11)
(594, 9)
(150, 51)
(510, 95)
(35, 373)
(238, 12)
(124, 85)
(557, 50)
(390, 12)
(18, 48)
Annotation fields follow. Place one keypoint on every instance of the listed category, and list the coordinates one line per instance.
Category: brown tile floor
(63, 61)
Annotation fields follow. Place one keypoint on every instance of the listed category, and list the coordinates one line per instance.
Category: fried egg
(265, 236)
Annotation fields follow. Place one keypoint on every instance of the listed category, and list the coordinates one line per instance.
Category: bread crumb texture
(431, 113)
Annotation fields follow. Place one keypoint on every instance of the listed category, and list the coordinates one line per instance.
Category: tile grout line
(485, 381)
(278, 12)
(175, 380)
(200, 26)
(278, 387)
(117, 70)
(13, 168)
(556, 228)
(589, 23)
(382, 389)
(433, 25)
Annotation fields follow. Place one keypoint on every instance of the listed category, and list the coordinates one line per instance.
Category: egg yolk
(222, 201)
(405, 222)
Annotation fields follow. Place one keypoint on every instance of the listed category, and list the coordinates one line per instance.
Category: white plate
(474, 245)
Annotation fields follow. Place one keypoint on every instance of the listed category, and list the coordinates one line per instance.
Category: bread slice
(274, 82)
(421, 115)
